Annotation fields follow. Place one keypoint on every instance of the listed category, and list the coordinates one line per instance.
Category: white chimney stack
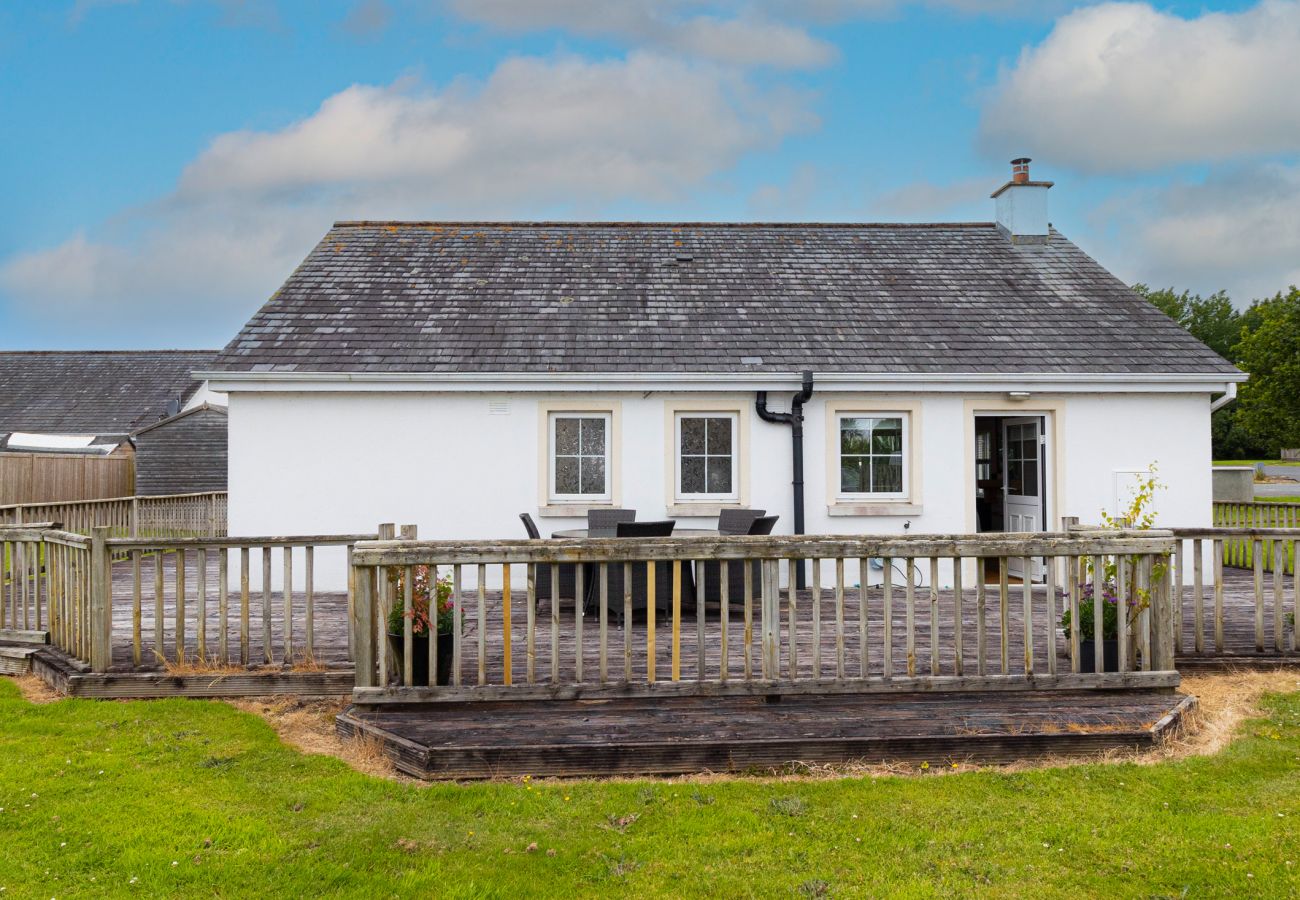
(1022, 205)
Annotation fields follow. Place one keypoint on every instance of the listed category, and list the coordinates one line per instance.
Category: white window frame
(552, 417)
(733, 496)
(906, 422)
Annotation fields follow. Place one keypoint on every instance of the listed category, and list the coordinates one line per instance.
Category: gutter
(794, 418)
(1229, 394)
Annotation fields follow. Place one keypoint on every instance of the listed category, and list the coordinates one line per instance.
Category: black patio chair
(737, 521)
(712, 586)
(604, 522)
(542, 571)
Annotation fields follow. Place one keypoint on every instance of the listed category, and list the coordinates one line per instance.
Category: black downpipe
(794, 418)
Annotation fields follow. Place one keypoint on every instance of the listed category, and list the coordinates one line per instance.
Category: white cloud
(1123, 87)
(1238, 230)
(927, 200)
(538, 137)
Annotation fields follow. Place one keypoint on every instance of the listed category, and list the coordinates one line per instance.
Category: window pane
(593, 475)
(693, 436)
(566, 475)
(719, 474)
(593, 437)
(1014, 476)
(854, 436)
(887, 437)
(887, 474)
(692, 475)
(719, 434)
(1029, 448)
(853, 475)
(566, 436)
(1031, 479)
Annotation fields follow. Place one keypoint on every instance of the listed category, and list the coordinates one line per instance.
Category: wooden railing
(168, 515)
(765, 638)
(1240, 553)
(178, 601)
(1268, 550)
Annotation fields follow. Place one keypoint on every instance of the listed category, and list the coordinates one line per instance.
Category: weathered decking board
(331, 635)
(693, 734)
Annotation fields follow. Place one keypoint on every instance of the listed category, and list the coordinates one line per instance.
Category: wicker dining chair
(712, 585)
(737, 521)
(604, 522)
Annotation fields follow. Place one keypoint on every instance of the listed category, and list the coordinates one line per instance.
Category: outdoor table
(663, 590)
(677, 532)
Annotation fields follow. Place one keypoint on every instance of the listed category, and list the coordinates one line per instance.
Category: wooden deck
(330, 648)
(742, 734)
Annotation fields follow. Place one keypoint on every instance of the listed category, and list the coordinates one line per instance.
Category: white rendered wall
(325, 463)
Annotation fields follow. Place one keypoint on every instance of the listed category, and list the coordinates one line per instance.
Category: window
(580, 456)
(1022, 460)
(706, 456)
(873, 455)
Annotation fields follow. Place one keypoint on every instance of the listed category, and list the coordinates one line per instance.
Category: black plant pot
(420, 660)
(1109, 656)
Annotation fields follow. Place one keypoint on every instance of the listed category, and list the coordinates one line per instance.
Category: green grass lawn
(194, 798)
(1255, 462)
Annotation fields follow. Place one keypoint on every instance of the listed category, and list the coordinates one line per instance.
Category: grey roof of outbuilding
(705, 297)
(106, 392)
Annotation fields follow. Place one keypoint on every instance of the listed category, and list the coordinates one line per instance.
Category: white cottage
(947, 378)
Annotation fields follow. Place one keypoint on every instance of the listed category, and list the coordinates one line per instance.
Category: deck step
(737, 734)
(24, 636)
(16, 660)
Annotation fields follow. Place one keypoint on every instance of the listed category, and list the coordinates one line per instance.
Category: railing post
(362, 625)
(1162, 621)
(101, 601)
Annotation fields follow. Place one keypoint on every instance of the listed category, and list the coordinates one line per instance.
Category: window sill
(879, 508)
(571, 510)
(702, 510)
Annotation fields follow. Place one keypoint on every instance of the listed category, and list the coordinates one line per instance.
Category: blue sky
(168, 162)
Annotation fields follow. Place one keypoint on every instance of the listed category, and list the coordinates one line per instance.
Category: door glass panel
(1030, 486)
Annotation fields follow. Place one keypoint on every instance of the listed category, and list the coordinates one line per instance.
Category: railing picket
(223, 605)
(1279, 577)
(650, 596)
(1027, 593)
(887, 608)
(482, 623)
(555, 624)
(267, 639)
(137, 604)
(1098, 612)
(1257, 562)
(627, 622)
(530, 626)
(309, 587)
(1075, 579)
(959, 663)
(201, 596)
(507, 666)
(457, 625)
(815, 590)
(792, 611)
(579, 615)
(1122, 598)
(604, 623)
(700, 622)
(677, 621)
(724, 587)
(863, 619)
(1004, 623)
(909, 600)
(934, 615)
(408, 627)
(981, 624)
(1178, 598)
(244, 607)
(839, 617)
(1198, 597)
(180, 606)
(747, 578)
(1218, 596)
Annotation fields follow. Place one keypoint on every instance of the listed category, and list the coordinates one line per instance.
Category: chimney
(1022, 205)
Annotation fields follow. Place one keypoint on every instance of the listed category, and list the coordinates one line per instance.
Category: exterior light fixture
(1018, 395)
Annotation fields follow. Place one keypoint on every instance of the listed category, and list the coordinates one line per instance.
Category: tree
(1269, 405)
(1212, 320)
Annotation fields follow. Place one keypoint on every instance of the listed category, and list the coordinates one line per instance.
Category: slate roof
(104, 392)
(649, 297)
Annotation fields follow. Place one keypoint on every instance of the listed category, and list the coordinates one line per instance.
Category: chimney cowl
(1022, 206)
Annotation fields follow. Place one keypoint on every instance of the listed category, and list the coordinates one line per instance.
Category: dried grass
(35, 690)
(308, 726)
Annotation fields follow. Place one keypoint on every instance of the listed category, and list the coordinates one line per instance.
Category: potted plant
(431, 610)
(1088, 625)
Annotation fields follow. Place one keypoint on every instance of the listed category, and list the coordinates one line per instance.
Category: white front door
(1022, 482)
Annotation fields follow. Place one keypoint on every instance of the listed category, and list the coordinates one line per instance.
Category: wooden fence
(63, 583)
(164, 516)
(1240, 553)
(32, 477)
(1268, 549)
(875, 639)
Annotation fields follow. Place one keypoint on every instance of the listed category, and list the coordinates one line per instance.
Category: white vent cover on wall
(499, 407)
